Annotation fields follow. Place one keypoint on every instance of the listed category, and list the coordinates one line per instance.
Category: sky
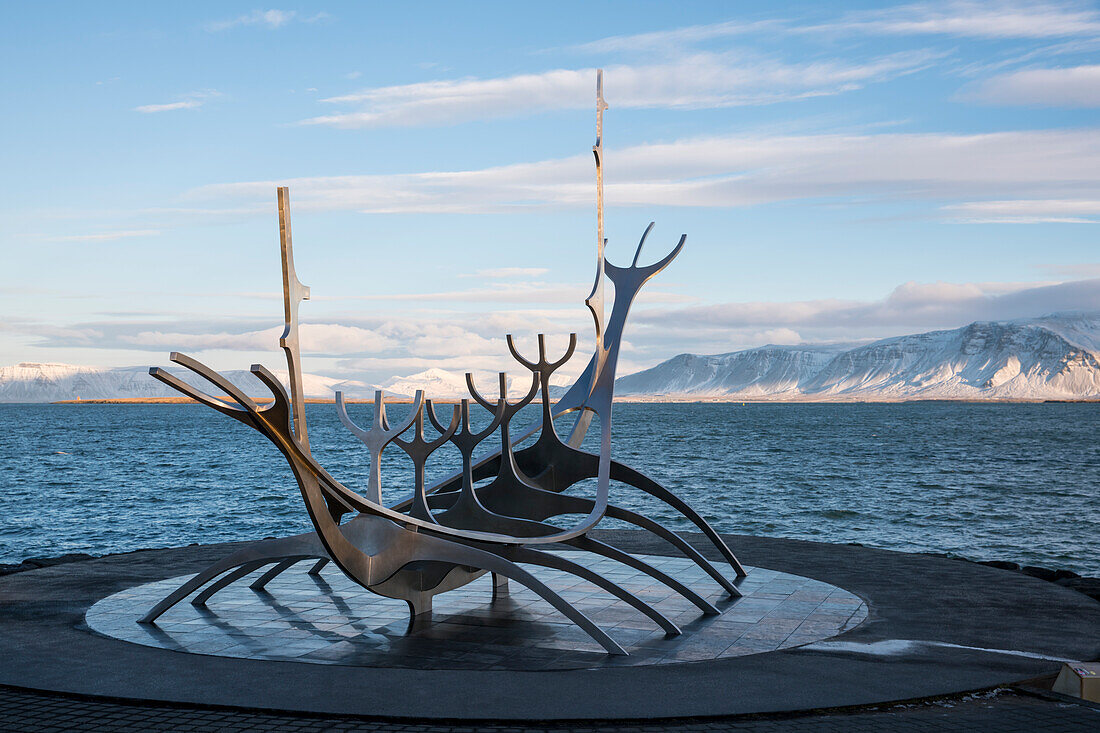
(843, 172)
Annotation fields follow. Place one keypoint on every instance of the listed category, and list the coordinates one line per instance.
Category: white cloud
(508, 272)
(317, 338)
(702, 80)
(517, 292)
(105, 236)
(1077, 86)
(1011, 19)
(509, 292)
(730, 171)
(911, 305)
(676, 38)
(377, 348)
(965, 18)
(169, 106)
(1022, 211)
(194, 100)
(270, 19)
(250, 341)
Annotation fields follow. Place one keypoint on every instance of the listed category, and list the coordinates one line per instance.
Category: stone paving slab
(935, 627)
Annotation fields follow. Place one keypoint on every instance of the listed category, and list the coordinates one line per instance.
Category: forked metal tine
(268, 378)
(641, 243)
(649, 270)
(445, 435)
(380, 431)
(418, 433)
(281, 406)
(418, 401)
(379, 416)
(568, 353)
(214, 378)
(419, 450)
(179, 385)
(510, 408)
(534, 390)
(467, 435)
(516, 355)
(542, 365)
(503, 376)
(663, 263)
(435, 420)
(342, 413)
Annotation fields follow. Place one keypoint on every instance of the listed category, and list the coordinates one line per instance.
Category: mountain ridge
(1052, 357)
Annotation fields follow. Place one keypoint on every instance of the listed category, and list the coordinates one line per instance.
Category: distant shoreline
(625, 400)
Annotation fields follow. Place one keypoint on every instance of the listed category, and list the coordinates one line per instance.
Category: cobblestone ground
(1004, 711)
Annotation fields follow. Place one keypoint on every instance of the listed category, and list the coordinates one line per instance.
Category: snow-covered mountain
(28, 382)
(442, 384)
(437, 384)
(1054, 357)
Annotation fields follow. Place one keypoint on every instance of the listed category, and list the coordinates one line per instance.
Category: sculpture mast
(293, 294)
(595, 299)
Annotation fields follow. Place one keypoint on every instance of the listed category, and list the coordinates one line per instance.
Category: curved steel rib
(541, 372)
(379, 436)
(370, 549)
(419, 449)
(412, 556)
(628, 281)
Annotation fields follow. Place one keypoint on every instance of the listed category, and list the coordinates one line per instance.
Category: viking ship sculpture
(446, 535)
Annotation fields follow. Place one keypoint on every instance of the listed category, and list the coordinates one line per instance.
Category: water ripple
(1016, 482)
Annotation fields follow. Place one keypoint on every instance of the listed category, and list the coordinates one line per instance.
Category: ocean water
(985, 481)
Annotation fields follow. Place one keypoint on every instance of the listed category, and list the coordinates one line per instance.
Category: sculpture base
(935, 627)
(328, 619)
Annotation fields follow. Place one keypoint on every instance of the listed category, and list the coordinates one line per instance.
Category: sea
(1017, 482)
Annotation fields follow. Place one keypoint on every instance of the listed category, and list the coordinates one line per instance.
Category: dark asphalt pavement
(1004, 711)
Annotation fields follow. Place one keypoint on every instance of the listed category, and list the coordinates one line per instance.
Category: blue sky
(842, 173)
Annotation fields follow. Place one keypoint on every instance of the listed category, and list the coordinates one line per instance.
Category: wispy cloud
(194, 100)
(169, 106)
(379, 347)
(105, 236)
(912, 305)
(676, 38)
(702, 80)
(731, 171)
(270, 19)
(1023, 211)
(996, 19)
(317, 338)
(514, 292)
(508, 272)
(964, 18)
(1076, 86)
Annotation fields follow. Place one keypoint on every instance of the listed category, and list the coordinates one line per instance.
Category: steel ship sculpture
(446, 535)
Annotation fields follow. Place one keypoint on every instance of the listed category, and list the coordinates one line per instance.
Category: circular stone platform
(934, 626)
(331, 620)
